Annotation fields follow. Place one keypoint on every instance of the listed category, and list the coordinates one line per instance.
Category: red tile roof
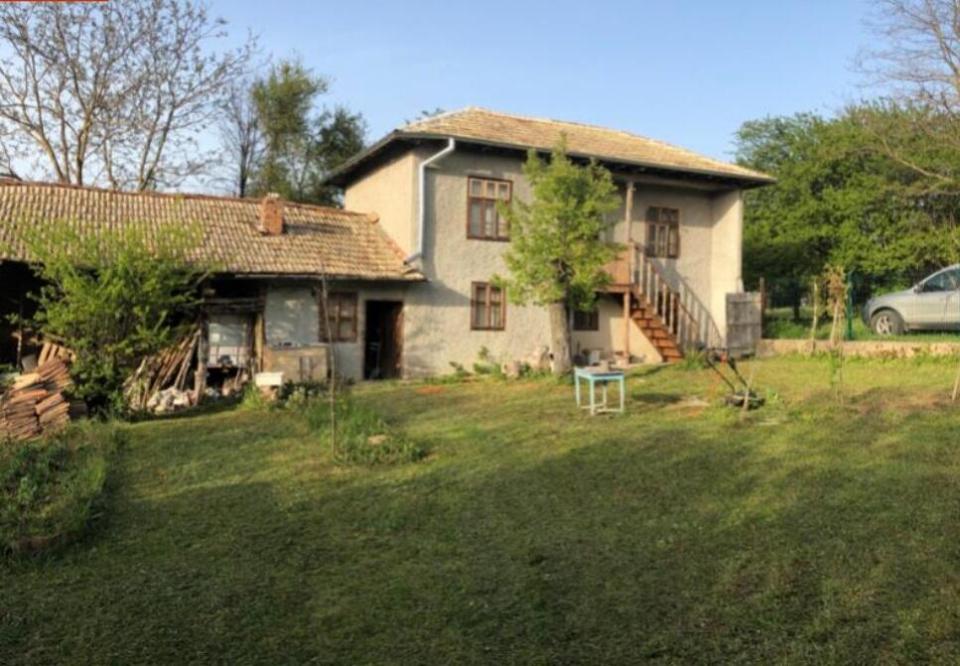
(317, 240)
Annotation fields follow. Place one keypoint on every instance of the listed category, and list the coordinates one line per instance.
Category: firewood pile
(35, 403)
(159, 384)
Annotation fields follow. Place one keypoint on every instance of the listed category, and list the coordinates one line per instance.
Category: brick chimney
(271, 215)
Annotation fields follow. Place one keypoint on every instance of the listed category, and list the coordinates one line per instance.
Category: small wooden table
(594, 376)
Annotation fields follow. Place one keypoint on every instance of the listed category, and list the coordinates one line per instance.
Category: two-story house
(435, 184)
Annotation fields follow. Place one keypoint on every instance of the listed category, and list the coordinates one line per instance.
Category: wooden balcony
(621, 270)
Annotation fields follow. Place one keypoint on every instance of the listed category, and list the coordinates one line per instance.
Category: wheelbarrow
(716, 359)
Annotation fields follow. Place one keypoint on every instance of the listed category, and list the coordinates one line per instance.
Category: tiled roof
(491, 127)
(317, 240)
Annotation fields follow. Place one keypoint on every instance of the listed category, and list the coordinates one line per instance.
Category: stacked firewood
(168, 369)
(36, 404)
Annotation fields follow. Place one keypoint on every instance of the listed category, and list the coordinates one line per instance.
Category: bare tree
(115, 92)
(241, 136)
(915, 61)
(917, 53)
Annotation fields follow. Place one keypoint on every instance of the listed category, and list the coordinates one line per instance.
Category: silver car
(931, 304)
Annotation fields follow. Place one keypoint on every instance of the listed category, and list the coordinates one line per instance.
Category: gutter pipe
(422, 204)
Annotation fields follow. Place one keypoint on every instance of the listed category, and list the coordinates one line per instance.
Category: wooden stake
(956, 385)
(816, 316)
(325, 296)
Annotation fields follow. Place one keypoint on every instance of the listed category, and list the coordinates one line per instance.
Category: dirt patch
(883, 400)
(657, 398)
(429, 390)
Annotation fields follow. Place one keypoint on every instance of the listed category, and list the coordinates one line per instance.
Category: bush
(363, 437)
(693, 360)
(50, 488)
(112, 298)
(486, 364)
(299, 395)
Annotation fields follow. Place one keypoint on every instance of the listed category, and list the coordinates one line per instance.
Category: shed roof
(316, 241)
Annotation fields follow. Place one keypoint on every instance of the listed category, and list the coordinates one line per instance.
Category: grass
(780, 324)
(50, 488)
(803, 532)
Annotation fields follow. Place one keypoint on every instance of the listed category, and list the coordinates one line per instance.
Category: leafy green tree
(301, 146)
(112, 298)
(840, 200)
(557, 253)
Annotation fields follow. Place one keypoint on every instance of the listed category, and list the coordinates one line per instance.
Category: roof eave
(251, 275)
(340, 176)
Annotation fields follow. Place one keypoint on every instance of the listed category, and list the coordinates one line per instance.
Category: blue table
(594, 376)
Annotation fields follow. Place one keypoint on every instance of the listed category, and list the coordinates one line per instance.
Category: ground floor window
(342, 317)
(586, 321)
(488, 307)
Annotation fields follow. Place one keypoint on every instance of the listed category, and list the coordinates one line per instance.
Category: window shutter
(673, 241)
(651, 245)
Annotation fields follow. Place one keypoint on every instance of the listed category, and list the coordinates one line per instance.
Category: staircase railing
(677, 307)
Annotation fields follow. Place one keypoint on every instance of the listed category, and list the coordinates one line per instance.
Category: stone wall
(863, 348)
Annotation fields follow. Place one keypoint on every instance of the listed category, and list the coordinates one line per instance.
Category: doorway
(383, 341)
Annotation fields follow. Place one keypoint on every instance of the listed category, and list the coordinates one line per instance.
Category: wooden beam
(628, 211)
(626, 326)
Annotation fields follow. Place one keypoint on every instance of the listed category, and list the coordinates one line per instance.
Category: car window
(944, 281)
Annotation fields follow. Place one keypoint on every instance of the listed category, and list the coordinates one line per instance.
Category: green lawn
(804, 532)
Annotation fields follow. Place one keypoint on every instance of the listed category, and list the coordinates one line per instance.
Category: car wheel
(886, 322)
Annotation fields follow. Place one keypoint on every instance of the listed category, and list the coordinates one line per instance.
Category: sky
(686, 71)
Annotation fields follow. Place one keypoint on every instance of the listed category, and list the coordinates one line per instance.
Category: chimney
(271, 215)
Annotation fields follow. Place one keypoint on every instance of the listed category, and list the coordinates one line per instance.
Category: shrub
(298, 395)
(363, 437)
(486, 364)
(693, 360)
(112, 298)
(50, 488)
(253, 398)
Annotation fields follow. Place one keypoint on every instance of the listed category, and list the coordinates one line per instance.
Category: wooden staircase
(644, 315)
(663, 312)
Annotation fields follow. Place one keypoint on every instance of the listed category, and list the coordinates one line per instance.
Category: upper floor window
(483, 219)
(342, 317)
(663, 232)
(488, 307)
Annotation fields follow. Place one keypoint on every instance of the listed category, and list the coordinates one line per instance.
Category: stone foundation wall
(864, 348)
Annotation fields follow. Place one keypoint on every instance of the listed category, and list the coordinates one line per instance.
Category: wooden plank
(744, 323)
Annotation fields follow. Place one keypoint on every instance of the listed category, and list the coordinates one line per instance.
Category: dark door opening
(383, 341)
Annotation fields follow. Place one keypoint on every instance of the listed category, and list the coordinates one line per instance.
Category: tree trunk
(559, 338)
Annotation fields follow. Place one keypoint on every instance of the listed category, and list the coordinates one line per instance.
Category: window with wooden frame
(484, 222)
(342, 317)
(586, 321)
(488, 307)
(663, 232)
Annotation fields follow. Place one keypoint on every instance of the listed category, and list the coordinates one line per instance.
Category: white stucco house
(434, 184)
(410, 259)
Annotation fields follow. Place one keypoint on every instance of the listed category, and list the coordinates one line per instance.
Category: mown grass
(779, 323)
(50, 488)
(803, 532)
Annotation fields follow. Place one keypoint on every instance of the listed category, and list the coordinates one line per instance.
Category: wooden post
(626, 326)
(628, 212)
(762, 287)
